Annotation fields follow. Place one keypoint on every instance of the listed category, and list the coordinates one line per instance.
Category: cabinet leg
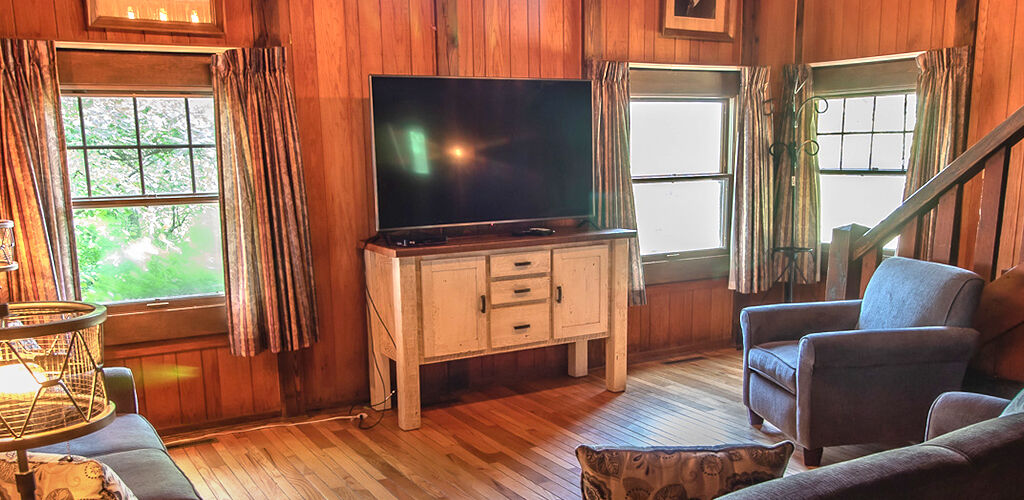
(408, 395)
(380, 380)
(578, 359)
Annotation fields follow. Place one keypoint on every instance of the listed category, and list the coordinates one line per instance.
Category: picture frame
(199, 17)
(700, 19)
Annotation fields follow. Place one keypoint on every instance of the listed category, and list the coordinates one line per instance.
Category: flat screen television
(452, 151)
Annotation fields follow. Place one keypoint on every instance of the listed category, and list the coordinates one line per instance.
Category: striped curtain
(613, 183)
(750, 269)
(799, 132)
(941, 131)
(33, 187)
(269, 273)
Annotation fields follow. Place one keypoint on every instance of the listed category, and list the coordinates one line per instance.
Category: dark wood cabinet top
(475, 243)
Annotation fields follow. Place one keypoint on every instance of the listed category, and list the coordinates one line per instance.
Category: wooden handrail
(961, 170)
(855, 254)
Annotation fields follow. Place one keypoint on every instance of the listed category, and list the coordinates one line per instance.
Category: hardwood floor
(505, 442)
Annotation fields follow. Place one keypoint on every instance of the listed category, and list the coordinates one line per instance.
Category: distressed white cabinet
(488, 294)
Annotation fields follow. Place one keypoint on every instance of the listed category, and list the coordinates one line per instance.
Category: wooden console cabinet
(482, 295)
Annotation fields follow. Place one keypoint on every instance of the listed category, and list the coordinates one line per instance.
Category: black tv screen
(470, 150)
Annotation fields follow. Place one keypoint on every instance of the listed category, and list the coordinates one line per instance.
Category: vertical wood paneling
(65, 20)
(865, 28)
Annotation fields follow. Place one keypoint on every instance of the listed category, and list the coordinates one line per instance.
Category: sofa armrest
(761, 324)
(121, 389)
(902, 346)
(955, 410)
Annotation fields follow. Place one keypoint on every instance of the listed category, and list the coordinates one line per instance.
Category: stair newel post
(844, 274)
(990, 221)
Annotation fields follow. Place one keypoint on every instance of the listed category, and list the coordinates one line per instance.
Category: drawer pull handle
(558, 294)
(521, 327)
(521, 290)
(522, 264)
(483, 303)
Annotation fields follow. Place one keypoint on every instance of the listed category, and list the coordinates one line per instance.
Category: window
(681, 185)
(143, 177)
(864, 146)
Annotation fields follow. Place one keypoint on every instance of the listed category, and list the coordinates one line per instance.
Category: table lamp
(51, 373)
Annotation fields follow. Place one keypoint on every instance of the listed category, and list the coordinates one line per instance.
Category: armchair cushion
(907, 293)
(956, 410)
(777, 361)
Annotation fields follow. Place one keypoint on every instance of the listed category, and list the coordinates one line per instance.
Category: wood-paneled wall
(997, 91)
(630, 30)
(864, 28)
(65, 20)
(191, 383)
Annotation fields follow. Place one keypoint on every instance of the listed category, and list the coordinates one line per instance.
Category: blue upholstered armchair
(861, 371)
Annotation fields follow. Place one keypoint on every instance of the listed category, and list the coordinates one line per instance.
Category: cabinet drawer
(520, 325)
(520, 263)
(520, 290)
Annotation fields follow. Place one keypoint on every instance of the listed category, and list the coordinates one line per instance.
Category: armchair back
(905, 293)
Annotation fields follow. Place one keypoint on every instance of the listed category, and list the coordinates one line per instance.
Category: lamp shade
(51, 379)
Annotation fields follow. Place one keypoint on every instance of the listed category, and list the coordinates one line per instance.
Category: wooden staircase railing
(856, 251)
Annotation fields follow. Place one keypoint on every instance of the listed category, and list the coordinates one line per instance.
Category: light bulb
(163, 14)
(195, 16)
(131, 13)
(16, 380)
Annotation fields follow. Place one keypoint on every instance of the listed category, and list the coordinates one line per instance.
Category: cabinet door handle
(558, 294)
(522, 264)
(483, 303)
(521, 290)
(521, 327)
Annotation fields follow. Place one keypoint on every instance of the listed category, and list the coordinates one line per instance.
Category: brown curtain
(33, 187)
(269, 274)
(798, 133)
(941, 131)
(613, 183)
(750, 269)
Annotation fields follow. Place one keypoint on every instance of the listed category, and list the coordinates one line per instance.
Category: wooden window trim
(670, 267)
(198, 318)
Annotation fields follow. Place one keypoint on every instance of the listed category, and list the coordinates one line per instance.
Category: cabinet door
(580, 280)
(454, 309)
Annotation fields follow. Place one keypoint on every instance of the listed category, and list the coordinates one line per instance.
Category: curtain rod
(683, 67)
(866, 60)
(136, 47)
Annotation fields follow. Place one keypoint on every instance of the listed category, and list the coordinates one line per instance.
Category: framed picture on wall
(699, 19)
(205, 17)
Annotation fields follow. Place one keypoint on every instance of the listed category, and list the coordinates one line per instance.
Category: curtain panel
(750, 269)
(613, 182)
(940, 135)
(797, 171)
(33, 187)
(268, 262)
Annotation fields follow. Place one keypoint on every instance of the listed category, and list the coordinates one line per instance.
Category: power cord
(380, 376)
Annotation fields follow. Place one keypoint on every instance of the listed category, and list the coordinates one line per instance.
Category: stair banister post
(843, 275)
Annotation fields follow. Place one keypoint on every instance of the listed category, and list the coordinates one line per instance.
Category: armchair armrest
(902, 346)
(761, 324)
(955, 410)
(121, 389)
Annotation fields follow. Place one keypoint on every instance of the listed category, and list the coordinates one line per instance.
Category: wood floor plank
(507, 441)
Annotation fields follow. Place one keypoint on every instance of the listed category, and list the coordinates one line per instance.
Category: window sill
(688, 266)
(149, 321)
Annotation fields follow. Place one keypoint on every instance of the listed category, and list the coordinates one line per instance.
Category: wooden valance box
(481, 295)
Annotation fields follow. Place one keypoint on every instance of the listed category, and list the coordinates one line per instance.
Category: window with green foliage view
(143, 176)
